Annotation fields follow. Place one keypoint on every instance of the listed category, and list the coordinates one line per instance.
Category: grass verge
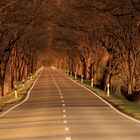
(119, 102)
(22, 91)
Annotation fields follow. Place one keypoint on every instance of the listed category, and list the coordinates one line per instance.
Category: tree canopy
(95, 38)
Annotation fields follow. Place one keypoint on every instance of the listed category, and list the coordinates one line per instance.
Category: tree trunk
(88, 72)
(107, 80)
(130, 91)
(118, 89)
(1, 94)
(95, 78)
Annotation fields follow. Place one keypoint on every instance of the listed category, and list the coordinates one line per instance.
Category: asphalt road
(59, 109)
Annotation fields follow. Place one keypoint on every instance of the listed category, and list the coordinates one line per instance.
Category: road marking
(64, 111)
(63, 105)
(59, 90)
(68, 138)
(64, 116)
(67, 129)
(62, 101)
(110, 105)
(27, 97)
(65, 122)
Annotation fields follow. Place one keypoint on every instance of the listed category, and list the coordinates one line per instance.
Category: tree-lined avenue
(59, 109)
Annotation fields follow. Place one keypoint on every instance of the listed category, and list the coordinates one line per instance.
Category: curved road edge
(109, 104)
(27, 97)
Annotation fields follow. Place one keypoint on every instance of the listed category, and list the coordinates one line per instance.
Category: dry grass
(119, 102)
(21, 93)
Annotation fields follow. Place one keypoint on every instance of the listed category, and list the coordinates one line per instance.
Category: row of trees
(101, 40)
(20, 40)
(97, 39)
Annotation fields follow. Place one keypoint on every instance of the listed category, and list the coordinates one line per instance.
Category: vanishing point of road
(59, 109)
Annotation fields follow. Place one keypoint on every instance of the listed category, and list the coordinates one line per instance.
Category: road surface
(59, 109)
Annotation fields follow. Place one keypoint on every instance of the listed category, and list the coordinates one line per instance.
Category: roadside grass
(22, 91)
(119, 102)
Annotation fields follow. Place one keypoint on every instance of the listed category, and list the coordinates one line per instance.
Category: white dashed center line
(63, 105)
(64, 116)
(65, 122)
(67, 129)
(68, 138)
(64, 111)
